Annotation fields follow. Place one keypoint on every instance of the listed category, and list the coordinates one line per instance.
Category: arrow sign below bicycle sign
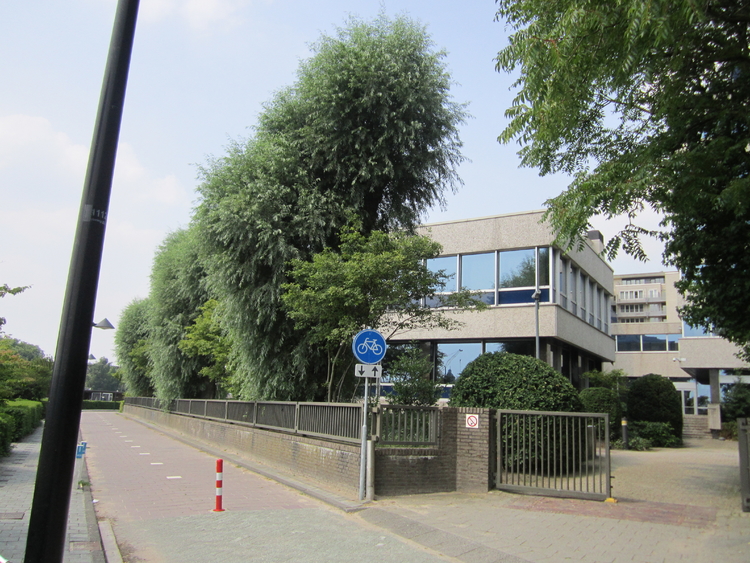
(367, 370)
(369, 346)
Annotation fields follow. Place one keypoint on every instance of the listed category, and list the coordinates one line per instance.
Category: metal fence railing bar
(560, 454)
(390, 425)
(407, 426)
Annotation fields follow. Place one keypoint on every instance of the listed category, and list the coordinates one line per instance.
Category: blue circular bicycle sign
(369, 346)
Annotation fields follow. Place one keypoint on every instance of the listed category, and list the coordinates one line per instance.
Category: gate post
(743, 436)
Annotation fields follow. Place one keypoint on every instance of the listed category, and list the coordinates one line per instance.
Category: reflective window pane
(517, 268)
(544, 266)
(453, 357)
(448, 265)
(654, 343)
(522, 347)
(628, 343)
(478, 271)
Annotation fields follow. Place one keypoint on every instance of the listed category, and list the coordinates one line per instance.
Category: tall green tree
(103, 376)
(207, 339)
(646, 105)
(377, 281)
(132, 348)
(177, 293)
(25, 370)
(369, 129)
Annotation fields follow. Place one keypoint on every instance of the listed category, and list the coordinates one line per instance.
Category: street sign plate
(369, 346)
(367, 370)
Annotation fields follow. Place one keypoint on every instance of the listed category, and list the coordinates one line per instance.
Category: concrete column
(714, 409)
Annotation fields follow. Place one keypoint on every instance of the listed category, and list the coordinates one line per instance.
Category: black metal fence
(553, 453)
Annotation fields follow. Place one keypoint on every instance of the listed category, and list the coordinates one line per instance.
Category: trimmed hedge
(500, 380)
(653, 398)
(102, 405)
(7, 429)
(27, 415)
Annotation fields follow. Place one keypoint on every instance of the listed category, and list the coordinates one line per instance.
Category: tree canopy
(5, 289)
(646, 105)
(369, 130)
(103, 376)
(132, 343)
(377, 281)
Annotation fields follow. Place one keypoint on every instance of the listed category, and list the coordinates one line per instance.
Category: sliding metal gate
(553, 454)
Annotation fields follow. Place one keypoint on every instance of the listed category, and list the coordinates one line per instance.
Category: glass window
(448, 265)
(563, 283)
(544, 266)
(521, 347)
(478, 271)
(654, 342)
(517, 268)
(452, 358)
(628, 343)
(673, 342)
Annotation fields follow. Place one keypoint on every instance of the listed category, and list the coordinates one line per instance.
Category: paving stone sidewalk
(17, 477)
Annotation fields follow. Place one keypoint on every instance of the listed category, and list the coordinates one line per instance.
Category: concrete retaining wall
(461, 461)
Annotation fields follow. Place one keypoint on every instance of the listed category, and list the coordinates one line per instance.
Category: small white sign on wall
(472, 421)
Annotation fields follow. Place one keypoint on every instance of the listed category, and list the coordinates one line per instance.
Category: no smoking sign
(472, 421)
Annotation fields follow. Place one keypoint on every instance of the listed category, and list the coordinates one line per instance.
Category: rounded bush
(653, 398)
(501, 380)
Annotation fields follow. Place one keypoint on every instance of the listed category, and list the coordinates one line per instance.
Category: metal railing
(390, 425)
(554, 453)
(406, 426)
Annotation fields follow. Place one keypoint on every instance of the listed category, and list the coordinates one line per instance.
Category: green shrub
(26, 414)
(729, 430)
(736, 403)
(101, 405)
(7, 430)
(603, 400)
(653, 398)
(660, 434)
(501, 380)
(636, 444)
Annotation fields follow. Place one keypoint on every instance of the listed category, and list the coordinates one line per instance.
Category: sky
(200, 73)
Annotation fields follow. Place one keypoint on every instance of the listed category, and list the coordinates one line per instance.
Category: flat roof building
(651, 338)
(508, 259)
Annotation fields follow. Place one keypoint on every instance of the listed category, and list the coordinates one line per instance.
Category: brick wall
(462, 460)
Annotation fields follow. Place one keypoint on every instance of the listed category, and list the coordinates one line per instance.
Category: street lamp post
(45, 542)
(536, 296)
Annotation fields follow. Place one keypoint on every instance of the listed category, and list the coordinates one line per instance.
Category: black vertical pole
(45, 542)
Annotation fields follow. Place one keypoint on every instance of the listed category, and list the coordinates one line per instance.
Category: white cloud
(141, 185)
(31, 142)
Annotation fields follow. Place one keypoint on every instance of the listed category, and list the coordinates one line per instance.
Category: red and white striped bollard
(219, 484)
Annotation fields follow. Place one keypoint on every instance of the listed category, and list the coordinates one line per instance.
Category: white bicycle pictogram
(370, 344)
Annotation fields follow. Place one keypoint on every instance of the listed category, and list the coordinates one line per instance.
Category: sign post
(369, 348)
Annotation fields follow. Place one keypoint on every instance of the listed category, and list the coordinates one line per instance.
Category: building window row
(648, 342)
(635, 308)
(510, 277)
(580, 294)
(631, 294)
(502, 277)
(642, 281)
